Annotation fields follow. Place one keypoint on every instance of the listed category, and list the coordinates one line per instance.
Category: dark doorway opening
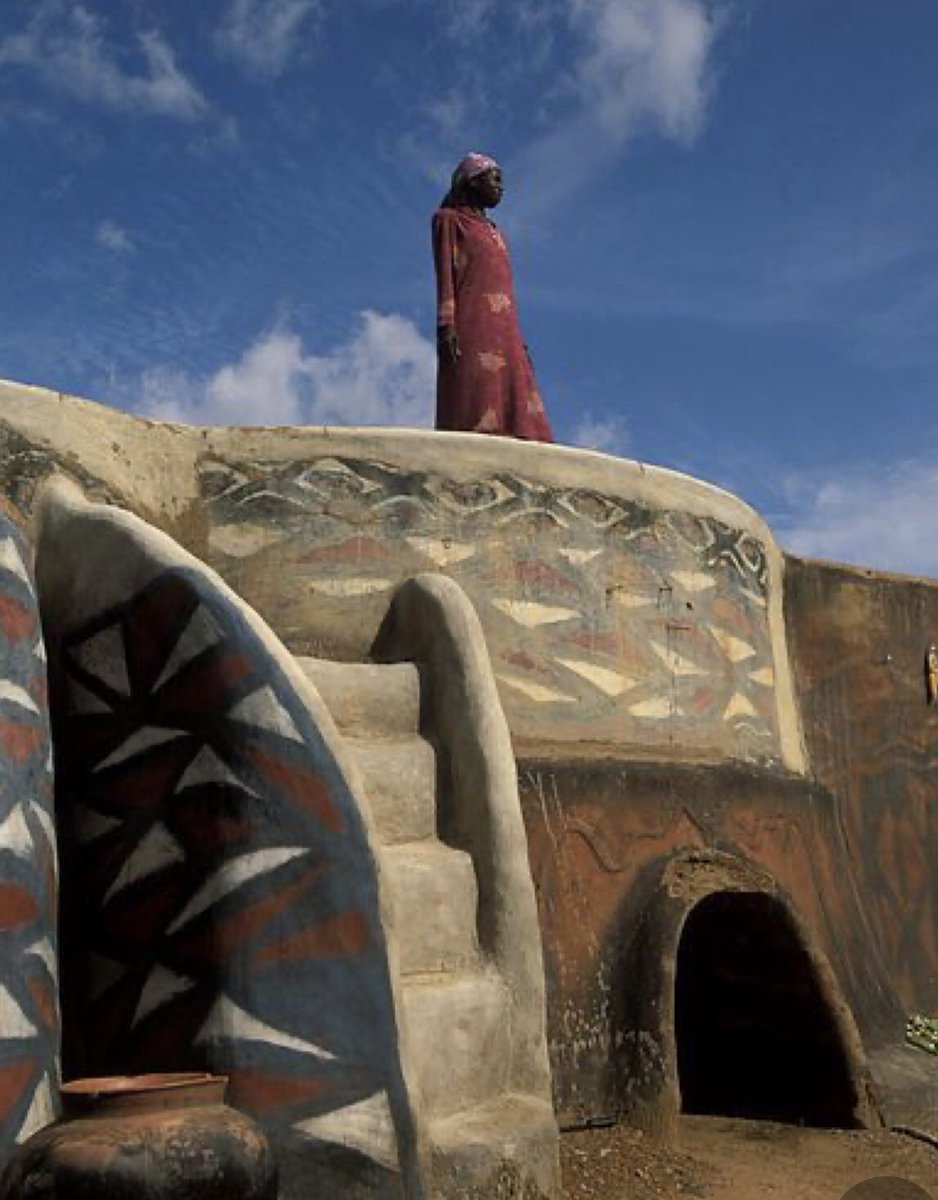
(755, 1035)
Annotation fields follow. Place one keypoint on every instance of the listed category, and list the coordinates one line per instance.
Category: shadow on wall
(723, 1005)
(755, 1036)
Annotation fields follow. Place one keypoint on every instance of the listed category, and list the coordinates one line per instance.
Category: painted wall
(608, 620)
(220, 908)
(639, 629)
(601, 836)
(858, 641)
(624, 605)
(29, 1013)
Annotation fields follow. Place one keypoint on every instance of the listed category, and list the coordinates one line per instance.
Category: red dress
(491, 388)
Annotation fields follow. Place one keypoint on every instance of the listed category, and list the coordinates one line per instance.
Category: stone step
(400, 783)
(433, 894)
(513, 1136)
(368, 700)
(458, 1037)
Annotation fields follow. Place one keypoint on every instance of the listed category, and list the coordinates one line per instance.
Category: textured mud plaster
(148, 465)
(432, 622)
(649, 1063)
(623, 604)
(230, 916)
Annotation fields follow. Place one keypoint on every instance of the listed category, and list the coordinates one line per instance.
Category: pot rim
(128, 1085)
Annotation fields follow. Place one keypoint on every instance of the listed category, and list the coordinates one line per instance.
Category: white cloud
(263, 35)
(877, 517)
(644, 61)
(608, 433)
(113, 237)
(67, 48)
(383, 375)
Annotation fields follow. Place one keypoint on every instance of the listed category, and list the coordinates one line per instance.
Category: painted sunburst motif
(229, 917)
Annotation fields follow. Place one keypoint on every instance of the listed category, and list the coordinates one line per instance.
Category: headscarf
(469, 167)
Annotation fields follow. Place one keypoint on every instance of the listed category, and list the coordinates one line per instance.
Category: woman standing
(485, 381)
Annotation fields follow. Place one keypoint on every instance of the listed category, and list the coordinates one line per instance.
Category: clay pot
(144, 1137)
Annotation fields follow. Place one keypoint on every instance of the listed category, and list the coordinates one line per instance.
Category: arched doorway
(755, 1033)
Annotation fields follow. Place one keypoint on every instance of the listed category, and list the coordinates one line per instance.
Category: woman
(485, 381)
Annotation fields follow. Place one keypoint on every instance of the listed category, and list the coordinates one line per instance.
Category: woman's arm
(444, 260)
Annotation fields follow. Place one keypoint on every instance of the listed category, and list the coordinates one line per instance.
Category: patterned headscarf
(469, 167)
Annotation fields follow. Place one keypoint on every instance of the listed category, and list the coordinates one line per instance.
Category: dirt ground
(717, 1158)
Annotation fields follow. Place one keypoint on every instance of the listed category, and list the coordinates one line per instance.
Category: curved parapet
(29, 1017)
(624, 605)
(220, 896)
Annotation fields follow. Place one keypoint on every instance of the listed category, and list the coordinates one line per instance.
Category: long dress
(491, 388)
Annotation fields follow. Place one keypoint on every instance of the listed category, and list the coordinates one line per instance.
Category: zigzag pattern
(222, 903)
(29, 1018)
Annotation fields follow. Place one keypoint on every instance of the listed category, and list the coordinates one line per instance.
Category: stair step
(369, 700)
(400, 783)
(458, 1037)
(472, 1148)
(433, 893)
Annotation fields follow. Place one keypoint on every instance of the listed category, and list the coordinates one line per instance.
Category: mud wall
(636, 627)
(858, 642)
(624, 605)
(601, 837)
(229, 916)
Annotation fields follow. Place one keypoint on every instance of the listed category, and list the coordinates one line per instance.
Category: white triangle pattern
(85, 703)
(366, 1126)
(263, 710)
(44, 817)
(13, 1021)
(200, 634)
(15, 834)
(157, 850)
(91, 824)
(17, 695)
(103, 657)
(12, 560)
(41, 1110)
(43, 951)
(232, 875)
(207, 767)
(160, 987)
(140, 740)
(227, 1020)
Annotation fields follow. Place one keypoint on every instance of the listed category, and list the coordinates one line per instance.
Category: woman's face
(488, 187)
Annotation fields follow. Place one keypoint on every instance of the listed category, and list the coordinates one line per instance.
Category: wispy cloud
(644, 61)
(264, 35)
(113, 237)
(607, 433)
(603, 72)
(878, 516)
(67, 48)
(383, 375)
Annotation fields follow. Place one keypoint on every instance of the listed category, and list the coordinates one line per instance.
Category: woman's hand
(447, 344)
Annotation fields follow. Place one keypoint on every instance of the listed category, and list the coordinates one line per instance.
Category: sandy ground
(716, 1158)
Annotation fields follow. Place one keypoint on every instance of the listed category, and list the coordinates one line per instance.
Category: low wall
(859, 641)
(638, 623)
(623, 605)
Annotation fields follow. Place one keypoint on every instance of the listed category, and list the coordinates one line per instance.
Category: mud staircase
(455, 1006)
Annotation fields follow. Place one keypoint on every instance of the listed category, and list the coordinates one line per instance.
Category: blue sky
(723, 217)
